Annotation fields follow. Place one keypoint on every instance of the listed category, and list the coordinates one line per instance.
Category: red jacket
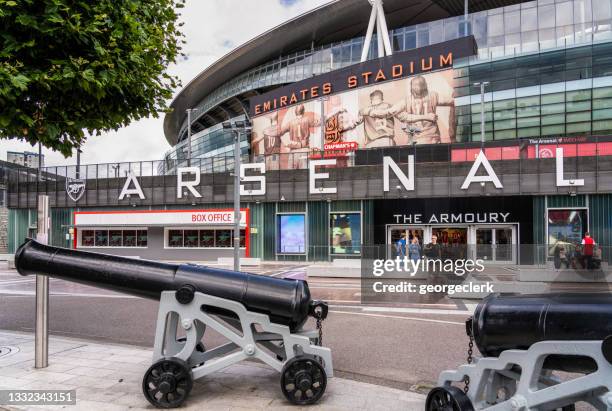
(588, 245)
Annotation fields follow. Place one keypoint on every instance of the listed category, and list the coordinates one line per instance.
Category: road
(403, 346)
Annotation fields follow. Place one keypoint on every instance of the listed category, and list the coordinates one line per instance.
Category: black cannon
(529, 343)
(262, 317)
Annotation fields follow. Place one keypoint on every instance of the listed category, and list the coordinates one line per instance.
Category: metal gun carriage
(540, 352)
(261, 317)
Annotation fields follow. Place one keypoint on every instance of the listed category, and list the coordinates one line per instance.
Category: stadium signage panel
(400, 65)
(188, 179)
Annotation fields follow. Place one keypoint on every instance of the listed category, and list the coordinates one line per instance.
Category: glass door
(399, 239)
(496, 244)
(484, 243)
(504, 247)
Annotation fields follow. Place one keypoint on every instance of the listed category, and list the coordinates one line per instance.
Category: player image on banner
(284, 136)
(300, 130)
(377, 131)
(414, 110)
(419, 112)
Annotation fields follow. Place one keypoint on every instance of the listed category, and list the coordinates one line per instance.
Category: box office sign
(150, 218)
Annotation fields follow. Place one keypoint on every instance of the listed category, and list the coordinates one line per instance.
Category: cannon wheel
(448, 399)
(303, 380)
(167, 383)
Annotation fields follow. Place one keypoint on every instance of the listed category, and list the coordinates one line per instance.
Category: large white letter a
(131, 178)
(481, 159)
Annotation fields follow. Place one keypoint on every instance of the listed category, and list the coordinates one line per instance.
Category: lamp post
(189, 137)
(237, 127)
(482, 85)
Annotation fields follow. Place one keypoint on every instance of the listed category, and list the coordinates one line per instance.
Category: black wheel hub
(448, 399)
(167, 383)
(303, 380)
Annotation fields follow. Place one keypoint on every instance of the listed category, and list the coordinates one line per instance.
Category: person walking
(401, 246)
(588, 244)
(414, 249)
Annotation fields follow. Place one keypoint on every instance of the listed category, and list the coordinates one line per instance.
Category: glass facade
(563, 92)
(547, 61)
(213, 146)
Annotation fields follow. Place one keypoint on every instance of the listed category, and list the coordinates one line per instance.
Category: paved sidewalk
(109, 377)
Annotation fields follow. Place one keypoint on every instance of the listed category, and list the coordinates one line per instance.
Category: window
(410, 40)
(87, 238)
(190, 238)
(345, 233)
(223, 238)
(113, 237)
(142, 238)
(566, 228)
(101, 238)
(207, 238)
(291, 234)
(175, 238)
(129, 238)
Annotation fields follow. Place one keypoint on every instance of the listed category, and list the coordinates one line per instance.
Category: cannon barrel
(511, 321)
(286, 301)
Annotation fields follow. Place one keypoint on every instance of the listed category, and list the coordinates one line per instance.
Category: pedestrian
(401, 246)
(414, 249)
(588, 243)
(434, 250)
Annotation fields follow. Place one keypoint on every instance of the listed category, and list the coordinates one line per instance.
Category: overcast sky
(212, 29)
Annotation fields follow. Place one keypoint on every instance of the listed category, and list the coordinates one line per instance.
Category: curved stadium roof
(332, 22)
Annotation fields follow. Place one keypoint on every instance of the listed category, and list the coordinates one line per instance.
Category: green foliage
(70, 66)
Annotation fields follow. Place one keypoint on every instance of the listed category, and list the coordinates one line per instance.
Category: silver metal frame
(534, 388)
(267, 343)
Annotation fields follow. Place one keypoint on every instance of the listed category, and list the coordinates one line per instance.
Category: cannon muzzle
(286, 301)
(511, 321)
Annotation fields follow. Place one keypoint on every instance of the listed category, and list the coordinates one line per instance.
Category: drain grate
(6, 351)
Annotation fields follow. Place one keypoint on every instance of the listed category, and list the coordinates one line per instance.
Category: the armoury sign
(393, 101)
(188, 178)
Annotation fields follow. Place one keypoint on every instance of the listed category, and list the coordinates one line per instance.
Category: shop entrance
(491, 243)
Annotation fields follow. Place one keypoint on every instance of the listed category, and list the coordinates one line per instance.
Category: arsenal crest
(75, 188)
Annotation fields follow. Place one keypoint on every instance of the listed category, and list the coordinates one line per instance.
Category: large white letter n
(407, 181)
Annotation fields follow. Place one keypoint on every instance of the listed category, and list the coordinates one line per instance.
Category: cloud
(212, 28)
(288, 3)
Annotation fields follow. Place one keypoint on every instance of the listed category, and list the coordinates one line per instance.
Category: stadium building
(488, 126)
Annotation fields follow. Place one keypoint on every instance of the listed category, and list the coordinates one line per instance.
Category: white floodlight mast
(377, 18)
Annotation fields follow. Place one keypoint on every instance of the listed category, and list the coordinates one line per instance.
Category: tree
(71, 66)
